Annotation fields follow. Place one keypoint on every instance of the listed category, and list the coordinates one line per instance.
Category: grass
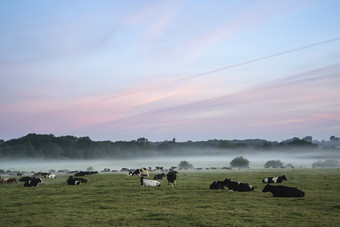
(118, 200)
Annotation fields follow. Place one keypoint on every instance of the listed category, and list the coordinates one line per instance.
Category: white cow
(149, 183)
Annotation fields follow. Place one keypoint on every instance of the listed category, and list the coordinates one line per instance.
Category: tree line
(48, 146)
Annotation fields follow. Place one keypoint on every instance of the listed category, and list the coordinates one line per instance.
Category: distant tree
(240, 162)
(185, 164)
(289, 165)
(90, 168)
(273, 164)
(334, 139)
(308, 138)
(52, 171)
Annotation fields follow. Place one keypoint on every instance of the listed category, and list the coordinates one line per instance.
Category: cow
(274, 179)
(73, 181)
(50, 176)
(82, 180)
(237, 186)
(24, 179)
(218, 185)
(149, 183)
(283, 191)
(33, 182)
(80, 174)
(12, 180)
(171, 176)
(142, 172)
(159, 176)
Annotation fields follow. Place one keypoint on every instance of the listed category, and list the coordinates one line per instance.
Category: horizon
(178, 141)
(118, 71)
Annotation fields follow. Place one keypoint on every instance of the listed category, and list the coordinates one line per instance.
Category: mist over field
(300, 159)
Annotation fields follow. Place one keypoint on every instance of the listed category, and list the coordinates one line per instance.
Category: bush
(240, 162)
(184, 165)
(273, 164)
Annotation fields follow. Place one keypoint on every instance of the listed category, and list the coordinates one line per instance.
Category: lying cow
(73, 181)
(171, 176)
(218, 185)
(51, 176)
(8, 180)
(24, 179)
(283, 191)
(149, 183)
(237, 186)
(159, 176)
(274, 179)
(142, 172)
(33, 182)
(82, 180)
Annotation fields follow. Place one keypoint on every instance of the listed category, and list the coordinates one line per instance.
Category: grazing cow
(73, 181)
(218, 185)
(274, 179)
(142, 172)
(283, 191)
(159, 176)
(237, 186)
(149, 183)
(171, 176)
(24, 179)
(33, 182)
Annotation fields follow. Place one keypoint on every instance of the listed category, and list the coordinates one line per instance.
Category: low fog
(300, 159)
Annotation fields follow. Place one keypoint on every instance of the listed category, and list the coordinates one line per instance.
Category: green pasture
(118, 200)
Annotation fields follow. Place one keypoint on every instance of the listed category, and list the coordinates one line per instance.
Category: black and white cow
(218, 185)
(73, 181)
(159, 176)
(283, 191)
(33, 182)
(171, 176)
(237, 186)
(274, 179)
(142, 172)
(149, 183)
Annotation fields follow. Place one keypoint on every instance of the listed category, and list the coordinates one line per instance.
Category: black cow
(274, 179)
(33, 182)
(218, 185)
(24, 179)
(80, 174)
(171, 176)
(237, 186)
(283, 191)
(73, 181)
(159, 176)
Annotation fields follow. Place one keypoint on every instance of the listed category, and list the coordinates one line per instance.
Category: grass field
(118, 200)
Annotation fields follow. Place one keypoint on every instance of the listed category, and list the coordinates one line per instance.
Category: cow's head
(284, 177)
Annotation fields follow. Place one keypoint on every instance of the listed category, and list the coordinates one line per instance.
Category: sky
(188, 69)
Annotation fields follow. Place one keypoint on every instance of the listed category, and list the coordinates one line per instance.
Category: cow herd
(277, 191)
(171, 176)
